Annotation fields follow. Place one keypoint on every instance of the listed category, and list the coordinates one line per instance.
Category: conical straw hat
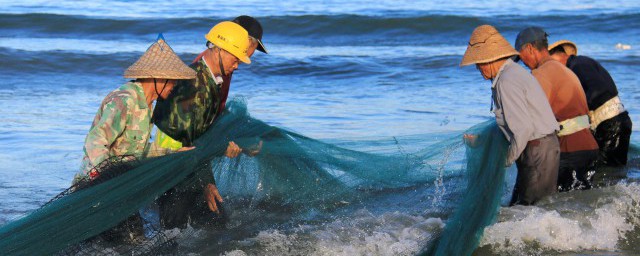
(486, 45)
(569, 47)
(159, 61)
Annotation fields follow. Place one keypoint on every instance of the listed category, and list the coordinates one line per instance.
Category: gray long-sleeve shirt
(522, 110)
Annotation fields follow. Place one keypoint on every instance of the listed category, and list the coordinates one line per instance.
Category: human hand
(185, 149)
(213, 197)
(254, 150)
(233, 150)
(470, 139)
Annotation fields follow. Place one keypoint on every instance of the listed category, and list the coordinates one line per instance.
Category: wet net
(292, 172)
(480, 203)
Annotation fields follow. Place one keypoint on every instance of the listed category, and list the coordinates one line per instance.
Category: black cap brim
(261, 47)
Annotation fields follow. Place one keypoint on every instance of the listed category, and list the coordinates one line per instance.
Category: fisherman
(610, 122)
(121, 129)
(579, 150)
(193, 107)
(522, 112)
(122, 126)
(176, 127)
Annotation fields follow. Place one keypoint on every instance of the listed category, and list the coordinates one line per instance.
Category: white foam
(598, 225)
(235, 253)
(365, 234)
(623, 46)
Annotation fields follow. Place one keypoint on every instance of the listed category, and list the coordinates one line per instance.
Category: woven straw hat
(159, 61)
(569, 47)
(486, 45)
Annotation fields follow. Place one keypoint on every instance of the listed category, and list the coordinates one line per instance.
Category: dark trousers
(185, 203)
(577, 170)
(537, 171)
(127, 231)
(613, 136)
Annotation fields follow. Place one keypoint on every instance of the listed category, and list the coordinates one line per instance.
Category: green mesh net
(481, 201)
(291, 171)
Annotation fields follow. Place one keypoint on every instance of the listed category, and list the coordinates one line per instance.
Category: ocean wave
(594, 220)
(363, 234)
(193, 8)
(88, 46)
(107, 57)
(323, 27)
(111, 57)
(58, 62)
(289, 51)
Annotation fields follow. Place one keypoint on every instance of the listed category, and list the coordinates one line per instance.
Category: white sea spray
(364, 234)
(566, 226)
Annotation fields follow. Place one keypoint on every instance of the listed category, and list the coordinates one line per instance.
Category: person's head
(489, 70)
(487, 49)
(254, 29)
(226, 61)
(161, 87)
(253, 45)
(229, 43)
(562, 49)
(159, 68)
(532, 45)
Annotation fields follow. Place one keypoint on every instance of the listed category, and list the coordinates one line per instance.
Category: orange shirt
(567, 100)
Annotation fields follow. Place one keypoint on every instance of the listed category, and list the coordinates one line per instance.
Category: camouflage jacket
(121, 127)
(192, 106)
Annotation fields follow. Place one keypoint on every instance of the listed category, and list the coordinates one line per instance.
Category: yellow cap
(231, 37)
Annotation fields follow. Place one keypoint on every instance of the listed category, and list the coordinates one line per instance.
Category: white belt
(606, 111)
(573, 125)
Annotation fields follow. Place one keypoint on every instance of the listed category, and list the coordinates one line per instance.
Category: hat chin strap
(220, 63)
(155, 87)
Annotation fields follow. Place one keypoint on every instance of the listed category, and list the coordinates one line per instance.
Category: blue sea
(336, 71)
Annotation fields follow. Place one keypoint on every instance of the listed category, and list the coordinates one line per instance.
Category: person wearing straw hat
(579, 150)
(188, 113)
(123, 125)
(610, 122)
(522, 113)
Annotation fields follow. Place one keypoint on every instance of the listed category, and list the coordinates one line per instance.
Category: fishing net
(293, 172)
(481, 201)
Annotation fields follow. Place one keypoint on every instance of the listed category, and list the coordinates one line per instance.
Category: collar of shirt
(495, 80)
(217, 79)
(140, 97)
(570, 60)
(142, 100)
